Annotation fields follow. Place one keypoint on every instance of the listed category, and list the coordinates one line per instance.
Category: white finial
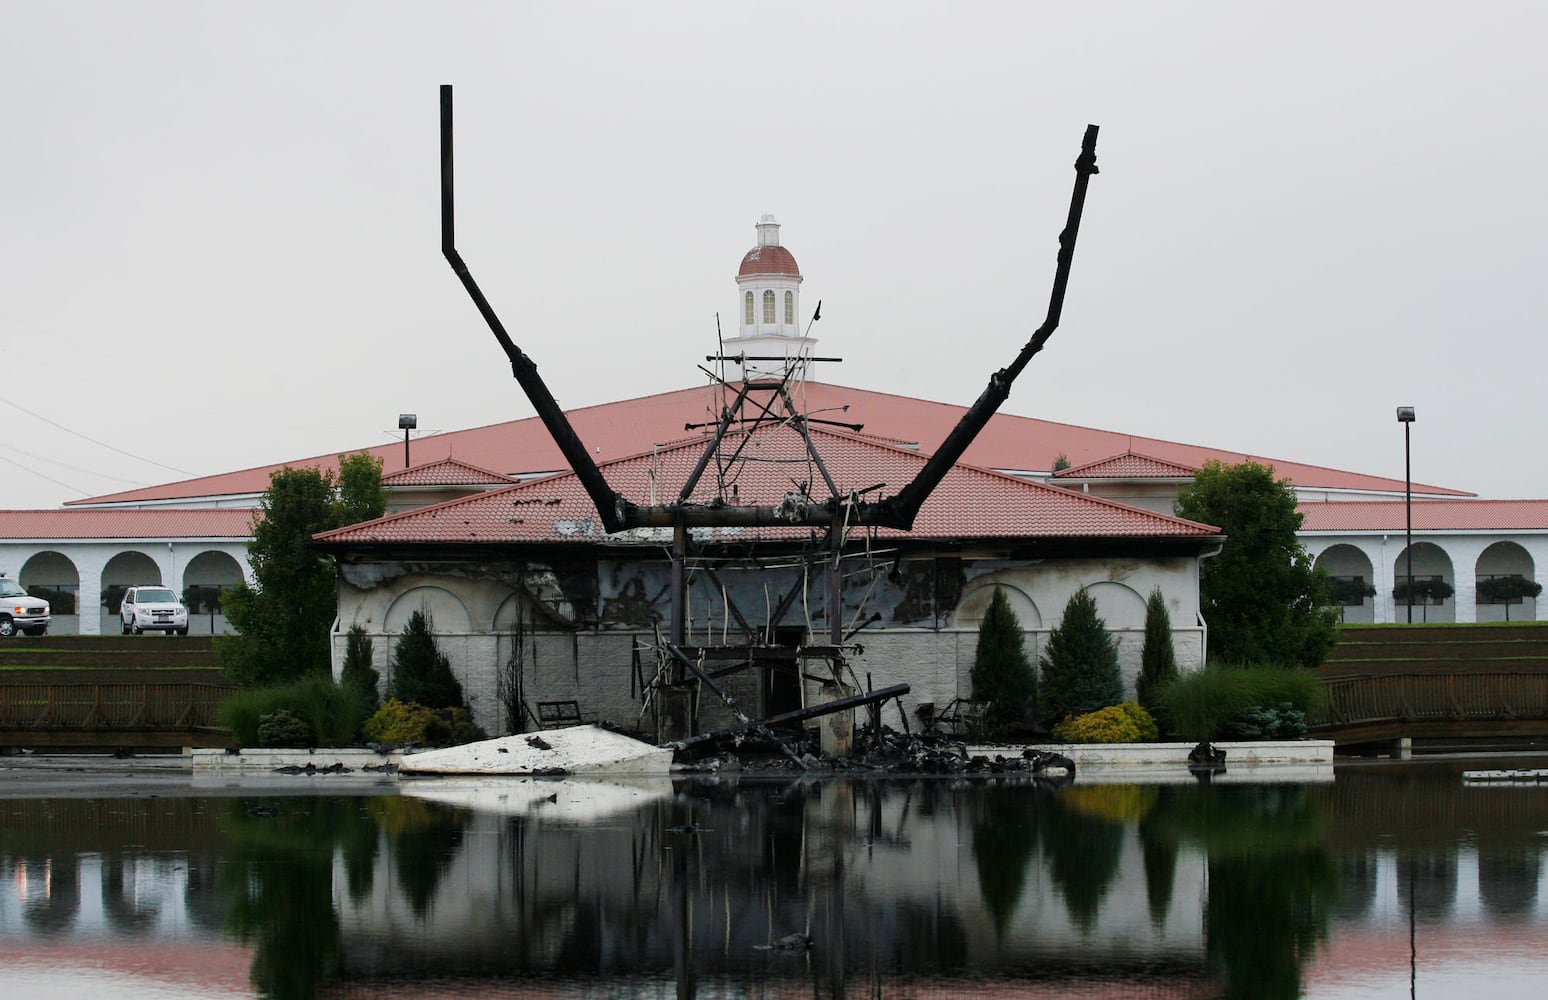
(768, 231)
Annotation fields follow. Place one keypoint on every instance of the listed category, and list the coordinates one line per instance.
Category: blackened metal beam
(611, 507)
(748, 725)
(900, 510)
(799, 715)
(727, 417)
(677, 628)
(763, 357)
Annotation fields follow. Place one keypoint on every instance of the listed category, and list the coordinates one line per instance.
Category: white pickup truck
(20, 611)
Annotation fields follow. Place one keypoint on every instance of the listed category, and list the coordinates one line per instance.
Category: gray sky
(220, 244)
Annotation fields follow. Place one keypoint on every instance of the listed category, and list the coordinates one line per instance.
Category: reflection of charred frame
(844, 510)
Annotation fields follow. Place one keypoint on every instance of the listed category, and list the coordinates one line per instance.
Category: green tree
(1424, 592)
(1002, 675)
(1507, 590)
(1348, 592)
(1262, 597)
(282, 618)
(361, 497)
(1080, 665)
(421, 673)
(1158, 659)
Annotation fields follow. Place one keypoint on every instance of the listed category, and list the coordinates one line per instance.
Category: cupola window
(768, 307)
(747, 310)
(790, 309)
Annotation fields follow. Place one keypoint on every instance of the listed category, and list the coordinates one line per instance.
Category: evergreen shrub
(1003, 680)
(421, 673)
(358, 677)
(1266, 722)
(1158, 659)
(282, 729)
(1080, 663)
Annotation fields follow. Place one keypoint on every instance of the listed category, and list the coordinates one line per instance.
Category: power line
(72, 468)
(73, 489)
(100, 444)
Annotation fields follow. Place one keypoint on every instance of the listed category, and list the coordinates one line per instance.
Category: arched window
(790, 308)
(747, 310)
(768, 307)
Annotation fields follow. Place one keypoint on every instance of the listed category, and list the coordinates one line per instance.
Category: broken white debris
(576, 750)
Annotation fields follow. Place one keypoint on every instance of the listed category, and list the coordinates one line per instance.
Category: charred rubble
(879, 751)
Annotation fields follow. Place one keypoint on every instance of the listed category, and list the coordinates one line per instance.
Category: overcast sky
(220, 239)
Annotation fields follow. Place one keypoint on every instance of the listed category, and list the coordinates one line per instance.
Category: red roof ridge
(1179, 469)
(390, 478)
(435, 508)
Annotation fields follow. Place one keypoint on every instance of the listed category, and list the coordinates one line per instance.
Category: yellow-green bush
(1117, 803)
(1126, 723)
(408, 724)
(405, 724)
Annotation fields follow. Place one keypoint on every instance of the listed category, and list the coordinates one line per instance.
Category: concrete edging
(250, 761)
(1096, 756)
(1175, 755)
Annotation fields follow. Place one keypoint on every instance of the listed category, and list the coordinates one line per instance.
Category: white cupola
(769, 306)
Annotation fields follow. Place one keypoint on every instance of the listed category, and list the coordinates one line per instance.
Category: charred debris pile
(878, 750)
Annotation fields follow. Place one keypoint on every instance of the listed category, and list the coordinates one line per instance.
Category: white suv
(20, 611)
(152, 609)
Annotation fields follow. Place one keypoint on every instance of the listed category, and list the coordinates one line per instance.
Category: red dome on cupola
(768, 257)
(768, 260)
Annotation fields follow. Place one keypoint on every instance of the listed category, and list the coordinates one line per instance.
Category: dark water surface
(1383, 880)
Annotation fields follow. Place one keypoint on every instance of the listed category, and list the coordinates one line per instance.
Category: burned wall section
(585, 626)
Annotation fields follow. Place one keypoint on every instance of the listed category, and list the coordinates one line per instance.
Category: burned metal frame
(897, 511)
(838, 514)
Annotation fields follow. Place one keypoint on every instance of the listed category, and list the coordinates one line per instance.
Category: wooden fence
(109, 714)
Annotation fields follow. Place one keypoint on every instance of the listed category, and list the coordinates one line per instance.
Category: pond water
(1380, 880)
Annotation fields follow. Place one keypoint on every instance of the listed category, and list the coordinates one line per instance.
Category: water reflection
(830, 888)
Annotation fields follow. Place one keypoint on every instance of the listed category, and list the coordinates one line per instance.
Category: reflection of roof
(630, 426)
(232, 522)
(209, 964)
(1429, 515)
(969, 503)
(1128, 466)
(446, 472)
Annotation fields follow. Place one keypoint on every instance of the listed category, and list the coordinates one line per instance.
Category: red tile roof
(166, 522)
(446, 472)
(630, 426)
(1429, 515)
(1128, 466)
(969, 503)
(768, 260)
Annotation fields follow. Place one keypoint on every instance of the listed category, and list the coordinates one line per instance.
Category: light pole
(1405, 415)
(409, 421)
